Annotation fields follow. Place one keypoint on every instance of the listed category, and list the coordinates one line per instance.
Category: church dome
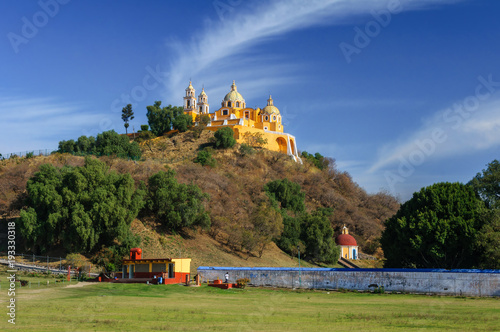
(270, 108)
(234, 95)
(346, 240)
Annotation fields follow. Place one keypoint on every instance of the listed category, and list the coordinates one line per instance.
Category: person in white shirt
(227, 277)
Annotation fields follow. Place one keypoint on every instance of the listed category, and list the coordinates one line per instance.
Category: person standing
(227, 277)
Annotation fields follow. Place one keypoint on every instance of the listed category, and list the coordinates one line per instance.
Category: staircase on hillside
(347, 263)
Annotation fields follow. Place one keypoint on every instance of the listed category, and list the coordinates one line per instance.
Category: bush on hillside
(205, 158)
(288, 193)
(317, 160)
(224, 138)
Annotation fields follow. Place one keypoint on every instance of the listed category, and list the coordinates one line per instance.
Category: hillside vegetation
(235, 186)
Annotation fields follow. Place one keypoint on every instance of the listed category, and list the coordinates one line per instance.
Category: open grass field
(140, 307)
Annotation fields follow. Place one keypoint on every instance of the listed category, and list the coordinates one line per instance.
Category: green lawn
(139, 307)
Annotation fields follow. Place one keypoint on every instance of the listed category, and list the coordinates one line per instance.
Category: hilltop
(234, 185)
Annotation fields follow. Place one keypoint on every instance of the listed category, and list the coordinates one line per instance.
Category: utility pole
(300, 275)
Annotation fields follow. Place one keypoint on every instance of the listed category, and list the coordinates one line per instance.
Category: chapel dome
(270, 108)
(234, 95)
(346, 240)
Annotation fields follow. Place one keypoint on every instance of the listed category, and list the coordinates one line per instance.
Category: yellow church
(234, 114)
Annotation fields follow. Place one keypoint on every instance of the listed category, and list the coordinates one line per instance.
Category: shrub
(144, 136)
(256, 140)
(224, 138)
(246, 149)
(30, 155)
(242, 282)
(288, 193)
(205, 158)
(144, 127)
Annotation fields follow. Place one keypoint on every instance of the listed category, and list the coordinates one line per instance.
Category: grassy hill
(234, 185)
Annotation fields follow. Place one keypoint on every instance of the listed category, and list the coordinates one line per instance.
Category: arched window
(224, 112)
(274, 117)
(188, 103)
(237, 104)
(228, 104)
(266, 118)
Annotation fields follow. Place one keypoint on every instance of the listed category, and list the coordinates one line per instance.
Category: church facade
(233, 113)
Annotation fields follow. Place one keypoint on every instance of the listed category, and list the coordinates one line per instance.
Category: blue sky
(402, 93)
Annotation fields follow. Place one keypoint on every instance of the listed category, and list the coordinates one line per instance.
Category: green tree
(267, 225)
(160, 119)
(487, 184)
(488, 240)
(203, 119)
(85, 145)
(127, 115)
(436, 228)
(288, 193)
(224, 138)
(291, 236)
(111, 143)
(67, 146)
(79, 208)
(182, 122)
(174, 204)
(317, 235)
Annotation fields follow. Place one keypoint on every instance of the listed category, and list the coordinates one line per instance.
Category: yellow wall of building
(182, 265)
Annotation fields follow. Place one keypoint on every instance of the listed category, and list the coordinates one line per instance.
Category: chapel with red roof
(348, 245)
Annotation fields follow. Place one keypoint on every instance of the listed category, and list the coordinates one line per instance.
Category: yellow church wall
(274, 143)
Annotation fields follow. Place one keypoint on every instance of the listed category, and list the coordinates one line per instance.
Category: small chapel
(348, 245)
(235, 114)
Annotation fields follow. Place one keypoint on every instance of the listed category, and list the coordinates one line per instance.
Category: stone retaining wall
(433, 281)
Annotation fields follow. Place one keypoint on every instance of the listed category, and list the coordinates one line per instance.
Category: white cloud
(40, 123)
(231, 40)
(448, 133)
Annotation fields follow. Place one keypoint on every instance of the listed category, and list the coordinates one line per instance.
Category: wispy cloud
(39, 123)
(231, 40)
(448, 133)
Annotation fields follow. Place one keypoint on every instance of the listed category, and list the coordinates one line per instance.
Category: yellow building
(234, 114)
